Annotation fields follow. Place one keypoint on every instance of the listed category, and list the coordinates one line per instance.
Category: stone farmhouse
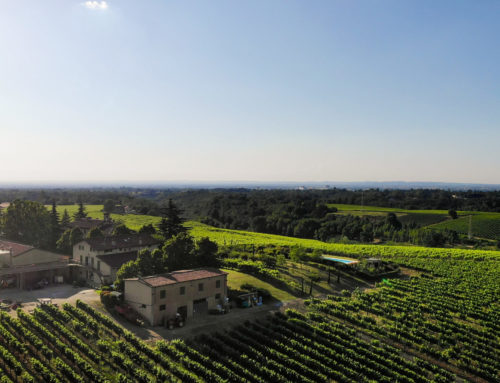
(189, 293)
(100, 258)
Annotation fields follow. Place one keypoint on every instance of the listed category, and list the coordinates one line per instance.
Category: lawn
(235, 279)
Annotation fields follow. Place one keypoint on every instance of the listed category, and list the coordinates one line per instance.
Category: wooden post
(329, 270)
(311, 287)
(302, 284)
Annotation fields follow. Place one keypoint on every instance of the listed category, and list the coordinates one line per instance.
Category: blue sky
(164, 90)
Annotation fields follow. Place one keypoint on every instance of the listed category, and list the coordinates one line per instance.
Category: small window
(143, 306)
(162, 294)
(99, 265)
(200, 286)
(81, 259)
(162, 307)
(182, 290)
(217, 296)
(217, 284)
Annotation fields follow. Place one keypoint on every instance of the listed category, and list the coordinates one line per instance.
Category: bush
(109, 300)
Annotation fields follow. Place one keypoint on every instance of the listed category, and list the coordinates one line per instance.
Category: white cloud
(96, 4)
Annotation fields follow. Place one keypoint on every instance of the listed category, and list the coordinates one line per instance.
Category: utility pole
(470, 227)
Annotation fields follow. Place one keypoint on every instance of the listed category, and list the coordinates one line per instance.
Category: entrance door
(200, 307)
(183, 311)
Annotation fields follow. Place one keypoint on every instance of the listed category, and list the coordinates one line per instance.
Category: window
(200, 286)
(182, 290)
(217, 296)
(162, 294)
(217, 284)
(143, 306)
(81, 259)
(86, 261)
(99, 265)
(92, 262)
(162, 307)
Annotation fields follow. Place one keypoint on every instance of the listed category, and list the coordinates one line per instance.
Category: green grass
(347, 208)
(235, 279)
(133, 221)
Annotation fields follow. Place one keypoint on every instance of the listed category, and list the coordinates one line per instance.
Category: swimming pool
(340, 260)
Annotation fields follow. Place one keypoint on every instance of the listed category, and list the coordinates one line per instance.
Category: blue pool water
(346, 261)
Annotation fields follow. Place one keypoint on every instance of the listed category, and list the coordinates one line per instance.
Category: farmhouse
(25, 266)
(187, 292)
(86, 224)
(100, 258)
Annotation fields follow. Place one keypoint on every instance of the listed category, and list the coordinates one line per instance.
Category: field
(484, 225)
(133, 221)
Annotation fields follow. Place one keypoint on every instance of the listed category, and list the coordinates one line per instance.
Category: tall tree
(179, 252)
(65, 219)
(206, 253)
(55, 227)
(108, 206)
(171, 222)
(81, 213)
(28, 222)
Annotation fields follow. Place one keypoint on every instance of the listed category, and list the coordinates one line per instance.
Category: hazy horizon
(271, 91)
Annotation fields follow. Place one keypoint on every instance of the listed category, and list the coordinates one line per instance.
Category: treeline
(197, 202)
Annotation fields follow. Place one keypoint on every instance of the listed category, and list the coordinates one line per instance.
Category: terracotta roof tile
(115, 260)
(121, 242)
(180, 276)
(17, 248)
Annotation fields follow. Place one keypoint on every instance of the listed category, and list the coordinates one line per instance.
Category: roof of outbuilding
(16, 248)
(115, 260)
(178, 276)
(121, 241)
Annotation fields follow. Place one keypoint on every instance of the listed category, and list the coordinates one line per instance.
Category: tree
(147, 229)
(392, 220)
(206, 253)
(179, 252)
(81, 213)
(108, 206)
(28, 222)
(128, 270)
(65, 219)
(150, 263)
(95, 232)
(55, 227)
(453, 213)
(171, 222)
(122, 230)
(64, 242)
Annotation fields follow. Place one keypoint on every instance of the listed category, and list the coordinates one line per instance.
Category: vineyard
(433, 328)
(484, 225)
(239, 237)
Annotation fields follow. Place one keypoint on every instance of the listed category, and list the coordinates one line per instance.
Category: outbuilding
(189, 293)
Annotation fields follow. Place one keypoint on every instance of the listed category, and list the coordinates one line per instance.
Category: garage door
(200, 307)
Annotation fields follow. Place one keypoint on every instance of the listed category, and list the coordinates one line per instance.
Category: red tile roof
(179, 276)
(122, 242)
(17, 248)
(116, 260)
